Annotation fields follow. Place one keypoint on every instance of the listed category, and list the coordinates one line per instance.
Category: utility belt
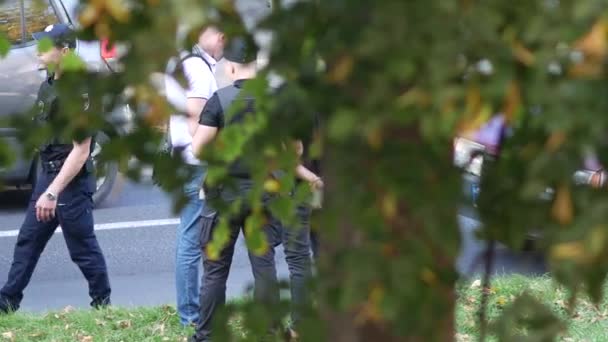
(54, 166)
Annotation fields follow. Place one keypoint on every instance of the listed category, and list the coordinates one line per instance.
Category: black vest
(48, 106)
(229, 96)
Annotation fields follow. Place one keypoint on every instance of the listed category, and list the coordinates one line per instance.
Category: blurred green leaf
(72, 62)
(527, 319)
(5, 46)
(45, 44)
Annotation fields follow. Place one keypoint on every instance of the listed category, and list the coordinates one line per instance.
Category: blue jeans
(188, 251)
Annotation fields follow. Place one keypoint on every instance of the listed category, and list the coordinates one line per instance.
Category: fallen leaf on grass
(9, 335)
(100, 323)
(159, 329)
(36, 335)
(85, 339)
(125, 324)
(501, 301)
(68, 309)
(476, 284)
(169, 310)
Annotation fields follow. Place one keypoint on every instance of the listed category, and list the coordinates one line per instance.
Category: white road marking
(111, 226)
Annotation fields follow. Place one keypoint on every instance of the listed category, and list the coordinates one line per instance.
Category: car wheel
(105, 173)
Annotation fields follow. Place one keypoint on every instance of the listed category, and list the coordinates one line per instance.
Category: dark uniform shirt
(49, 107)
(213, 115)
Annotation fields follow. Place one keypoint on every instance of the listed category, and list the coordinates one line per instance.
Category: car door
(19, 71)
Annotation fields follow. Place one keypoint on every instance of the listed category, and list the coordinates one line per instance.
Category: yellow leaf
(476, 112)
(473, 100)
(85, 339)
(212, 252)
(594, 47)
(118, 10)
(89, 16)
(573, 250)
(501, 301)
(596, 240)
(374, 138)
(370, 310)
(389, 206)
(522, 54)
(125, 324)
(428, 276)
(562, 210)
(594, 43)
(555, 141)
(102, 29)
(272, 186)
(512, 101)
(342, 69)
(414, 96)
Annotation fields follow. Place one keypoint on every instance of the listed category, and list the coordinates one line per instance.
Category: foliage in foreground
(393, 81)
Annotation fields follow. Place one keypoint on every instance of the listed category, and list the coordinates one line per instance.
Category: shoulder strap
(193, 55)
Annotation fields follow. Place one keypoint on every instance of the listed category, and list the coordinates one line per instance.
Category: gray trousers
(296, 242)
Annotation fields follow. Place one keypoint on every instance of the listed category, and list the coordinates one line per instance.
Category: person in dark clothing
(240, 55)
(62, 195)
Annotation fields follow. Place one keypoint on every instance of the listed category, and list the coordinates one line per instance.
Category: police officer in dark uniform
(62, 195)
(240, 56)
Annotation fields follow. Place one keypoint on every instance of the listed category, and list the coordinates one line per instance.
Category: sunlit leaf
(45, 44)
(5, 46)
(72, 62)
(563, 210)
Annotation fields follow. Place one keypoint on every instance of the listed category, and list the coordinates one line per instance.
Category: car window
(10, 20)
(38, 15)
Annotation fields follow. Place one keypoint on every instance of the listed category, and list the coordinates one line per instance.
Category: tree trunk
(371, 218)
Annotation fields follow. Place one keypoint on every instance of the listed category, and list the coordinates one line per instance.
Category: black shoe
(101, 303)
(6, 306)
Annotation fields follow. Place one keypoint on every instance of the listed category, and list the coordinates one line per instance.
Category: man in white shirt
(199, 70)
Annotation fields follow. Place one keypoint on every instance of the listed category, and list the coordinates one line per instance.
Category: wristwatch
(51, 196)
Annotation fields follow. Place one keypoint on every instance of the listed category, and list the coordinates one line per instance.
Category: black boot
(6, 306)
(101, 303)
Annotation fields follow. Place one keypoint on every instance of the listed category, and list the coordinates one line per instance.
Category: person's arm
(203, 136)
(194, 107)
(45, 208)
(200, 88)
(209, 123)
(303, 173)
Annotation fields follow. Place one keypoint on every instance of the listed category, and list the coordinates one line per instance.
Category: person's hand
(597, 179)
(45, 208)
(317, 183)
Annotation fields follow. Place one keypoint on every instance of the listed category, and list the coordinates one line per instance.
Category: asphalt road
(140, 255)
(140, 252)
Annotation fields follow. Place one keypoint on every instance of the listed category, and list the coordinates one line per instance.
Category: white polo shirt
(201, 85)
